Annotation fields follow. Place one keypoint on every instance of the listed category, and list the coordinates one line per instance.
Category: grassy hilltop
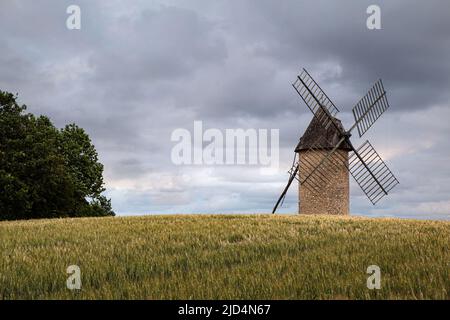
(222, 256)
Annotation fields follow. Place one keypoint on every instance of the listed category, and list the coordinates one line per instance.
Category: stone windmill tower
(315, 143)
(326, 155)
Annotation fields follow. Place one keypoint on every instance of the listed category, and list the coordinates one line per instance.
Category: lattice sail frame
(314, 97)
(370, 168)
(370, 108)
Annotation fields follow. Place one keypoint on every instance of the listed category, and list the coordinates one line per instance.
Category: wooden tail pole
(291, 178)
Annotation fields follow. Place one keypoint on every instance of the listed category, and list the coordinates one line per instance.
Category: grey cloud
(138, 70)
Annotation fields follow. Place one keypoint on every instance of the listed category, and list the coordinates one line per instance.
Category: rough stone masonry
(332, 195)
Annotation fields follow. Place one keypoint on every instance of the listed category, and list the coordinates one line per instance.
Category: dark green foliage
(46, 172)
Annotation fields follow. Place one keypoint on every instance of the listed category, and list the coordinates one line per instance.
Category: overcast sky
(137, 70)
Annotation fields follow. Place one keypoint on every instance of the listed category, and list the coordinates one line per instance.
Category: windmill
(326, 154)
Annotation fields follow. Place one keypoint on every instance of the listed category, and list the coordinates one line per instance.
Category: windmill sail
(371, 173)
(370, 108)
(314, 97)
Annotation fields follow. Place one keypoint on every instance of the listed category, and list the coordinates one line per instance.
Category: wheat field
(225, 257)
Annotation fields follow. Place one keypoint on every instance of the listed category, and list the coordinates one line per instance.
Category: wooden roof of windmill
(318, 137)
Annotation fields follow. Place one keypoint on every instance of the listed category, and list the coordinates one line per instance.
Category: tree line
(46, 172)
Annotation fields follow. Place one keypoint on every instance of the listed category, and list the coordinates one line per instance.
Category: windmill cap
(318, 137)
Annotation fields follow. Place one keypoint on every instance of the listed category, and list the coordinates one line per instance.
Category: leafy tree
(46, 172)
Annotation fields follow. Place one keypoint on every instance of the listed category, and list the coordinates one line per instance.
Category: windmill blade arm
(370, 108)
(314, 97)
(371, 173)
